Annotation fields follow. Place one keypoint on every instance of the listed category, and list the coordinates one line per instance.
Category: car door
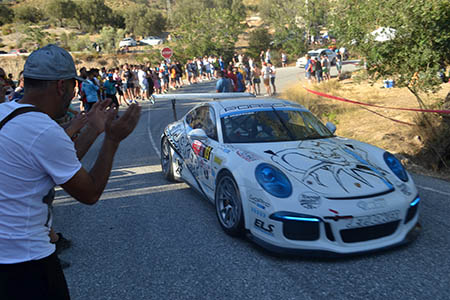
(199, 161)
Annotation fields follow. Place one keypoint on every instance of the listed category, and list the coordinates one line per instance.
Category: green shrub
(8, 29)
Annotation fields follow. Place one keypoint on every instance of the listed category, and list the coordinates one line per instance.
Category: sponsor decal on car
(201, 150)
(371, 204)
(259, 202)
(260, 105)
(266, 228)
(246, 156)
(404, 189)
(375, 219)
(218, 160)
(258, 213)
(310, 200)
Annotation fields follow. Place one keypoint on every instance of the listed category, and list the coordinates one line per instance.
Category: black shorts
(130, 85)
(41, 279)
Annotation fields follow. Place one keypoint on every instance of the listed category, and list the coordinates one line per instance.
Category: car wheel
(166, 160)
(229, 205)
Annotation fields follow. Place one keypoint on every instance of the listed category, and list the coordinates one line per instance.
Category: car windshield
(272, 125)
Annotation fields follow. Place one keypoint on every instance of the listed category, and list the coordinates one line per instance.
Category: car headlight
(396, 166)
(273, 181)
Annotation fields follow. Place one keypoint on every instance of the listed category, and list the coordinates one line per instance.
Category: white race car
(275, 172)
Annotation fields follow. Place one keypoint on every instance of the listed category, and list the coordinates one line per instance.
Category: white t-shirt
(272, 71)
(36, 155)
(142, 77)
(265, 72)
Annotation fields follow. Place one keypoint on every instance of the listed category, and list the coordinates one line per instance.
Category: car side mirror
(197, 134)
(331, 127)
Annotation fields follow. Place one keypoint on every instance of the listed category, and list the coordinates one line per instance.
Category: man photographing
(36, 155)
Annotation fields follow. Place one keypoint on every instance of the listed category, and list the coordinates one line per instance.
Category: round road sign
(166, 53)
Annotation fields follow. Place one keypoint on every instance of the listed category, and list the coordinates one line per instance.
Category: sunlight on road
(120, 185)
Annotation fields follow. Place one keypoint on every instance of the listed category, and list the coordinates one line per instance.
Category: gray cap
(50, 63)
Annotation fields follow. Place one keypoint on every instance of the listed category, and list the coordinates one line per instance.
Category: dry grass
(354, 121)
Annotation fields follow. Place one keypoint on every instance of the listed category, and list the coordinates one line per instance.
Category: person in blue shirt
(223, 85)
(308, 68)
(240, 80)
(110, 89)
(89, 88)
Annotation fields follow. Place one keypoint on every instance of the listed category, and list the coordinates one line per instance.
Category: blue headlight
(273, 181)
(396, 166)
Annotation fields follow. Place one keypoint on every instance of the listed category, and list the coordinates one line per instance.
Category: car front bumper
(410, 236)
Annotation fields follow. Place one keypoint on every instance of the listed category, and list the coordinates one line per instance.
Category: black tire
(229, 205)
(166, 160)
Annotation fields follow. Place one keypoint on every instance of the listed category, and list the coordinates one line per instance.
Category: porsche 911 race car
(275, 172)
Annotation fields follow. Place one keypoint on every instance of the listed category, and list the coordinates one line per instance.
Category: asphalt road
(149, 239)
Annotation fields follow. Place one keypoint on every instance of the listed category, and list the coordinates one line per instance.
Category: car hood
(337, 169)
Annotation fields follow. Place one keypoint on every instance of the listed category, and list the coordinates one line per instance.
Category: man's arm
(87, 187)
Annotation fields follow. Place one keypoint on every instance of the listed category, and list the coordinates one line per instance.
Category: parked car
(127, 42)
(152, 40)
(17, 51)
(277, 174)
(301, 62)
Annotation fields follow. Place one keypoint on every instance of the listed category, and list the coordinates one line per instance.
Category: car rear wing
(194, 96)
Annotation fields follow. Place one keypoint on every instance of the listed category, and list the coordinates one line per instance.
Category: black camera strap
(16, 112)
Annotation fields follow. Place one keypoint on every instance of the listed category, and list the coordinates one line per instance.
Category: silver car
(152, 40)
(127, 42)
(301, 62)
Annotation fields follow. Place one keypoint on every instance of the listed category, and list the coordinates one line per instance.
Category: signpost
(166, 52)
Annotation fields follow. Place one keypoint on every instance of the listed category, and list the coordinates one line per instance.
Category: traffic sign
(166, 53)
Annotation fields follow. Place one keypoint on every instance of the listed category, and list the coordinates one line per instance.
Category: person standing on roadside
(273, 73)
(265, 73)
(90, 89)
(318, 65)
(223, 85)
(268, 58)
(308, 68)
(110, 89)
(256, 79)
(283, 59)
(339, 63)
(37, 155)
(326, 67)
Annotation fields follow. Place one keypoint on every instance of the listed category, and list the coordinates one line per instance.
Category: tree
(6, 14)
(259, 39)
(217, 36)
(92, 15)
(209, 30)
(294, 21)
(142, 21)
(28, 14)
(110, 37)
(60, 10)
(36, 35)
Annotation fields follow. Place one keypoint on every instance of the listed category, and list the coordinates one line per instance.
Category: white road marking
(150, 136)
(433, 190)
